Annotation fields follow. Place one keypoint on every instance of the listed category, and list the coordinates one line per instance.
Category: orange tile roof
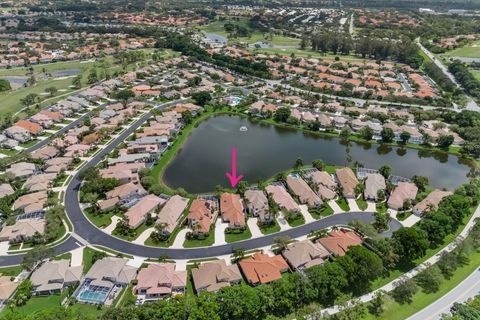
(338, 241)
(33, 128)
(261, 268)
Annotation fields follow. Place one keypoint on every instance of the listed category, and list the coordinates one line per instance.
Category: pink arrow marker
(233, 176)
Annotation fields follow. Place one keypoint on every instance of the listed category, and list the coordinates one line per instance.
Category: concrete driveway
(335, 207)
(180, 238)
(254, 229)
(352, 203)
(304, 210)
(144, 236)
(109, 229)
(220, 232)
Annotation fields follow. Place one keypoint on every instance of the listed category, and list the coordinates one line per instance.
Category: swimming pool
(93, 294)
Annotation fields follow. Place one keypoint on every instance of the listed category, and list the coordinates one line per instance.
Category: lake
(265, 150)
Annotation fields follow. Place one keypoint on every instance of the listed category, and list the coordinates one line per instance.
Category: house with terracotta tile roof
(213, 275)
(338, 241)
(304, 254)
(403, 192)
(348, 181)
(231, 210)
(261, 268)
(137, 214)
(32, 127)
(200, 216)
(170, 214)
(160, 280)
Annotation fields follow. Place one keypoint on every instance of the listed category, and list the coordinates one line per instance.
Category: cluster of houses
(31, 48)
(378, 80)
(107, 277)
(335, 116)
(38, 176)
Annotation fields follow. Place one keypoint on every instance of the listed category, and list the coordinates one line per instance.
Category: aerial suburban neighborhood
(236, 160)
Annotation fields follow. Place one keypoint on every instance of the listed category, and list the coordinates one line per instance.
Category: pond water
(264, 150)
(65, 73)
(15, 81)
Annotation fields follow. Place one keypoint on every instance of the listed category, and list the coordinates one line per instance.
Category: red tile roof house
(338, 241)
(32, 127)
(231, 209)
(160, 280)
(261, 268)
(137, 214)
(200, 216)
(403, 192)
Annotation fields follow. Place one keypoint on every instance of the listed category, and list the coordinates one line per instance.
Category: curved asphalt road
(86, 230)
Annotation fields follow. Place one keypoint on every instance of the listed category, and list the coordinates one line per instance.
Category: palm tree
(281, 243)
(238, 254)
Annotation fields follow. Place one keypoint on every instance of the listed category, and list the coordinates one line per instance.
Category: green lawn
(471, 50)
(11, 271)
(394, 311)
(343, 204)
(382, 207)
(297, 222)
(100, 220)
(208, 241)
(135, 235)
(325, 211)
(362, 204)
(234, 237)
(401, 216)
(217, 27)
(11, 100)
(87, 311)
(476, 74)
(274, 227)
(34, 305)
(87, 258)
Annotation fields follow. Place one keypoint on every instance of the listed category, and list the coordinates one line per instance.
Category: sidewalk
(410, 274)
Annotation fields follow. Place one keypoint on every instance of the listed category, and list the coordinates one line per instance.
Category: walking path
(410, 274)
(468, 288)
(254, 229)
(144, 236)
